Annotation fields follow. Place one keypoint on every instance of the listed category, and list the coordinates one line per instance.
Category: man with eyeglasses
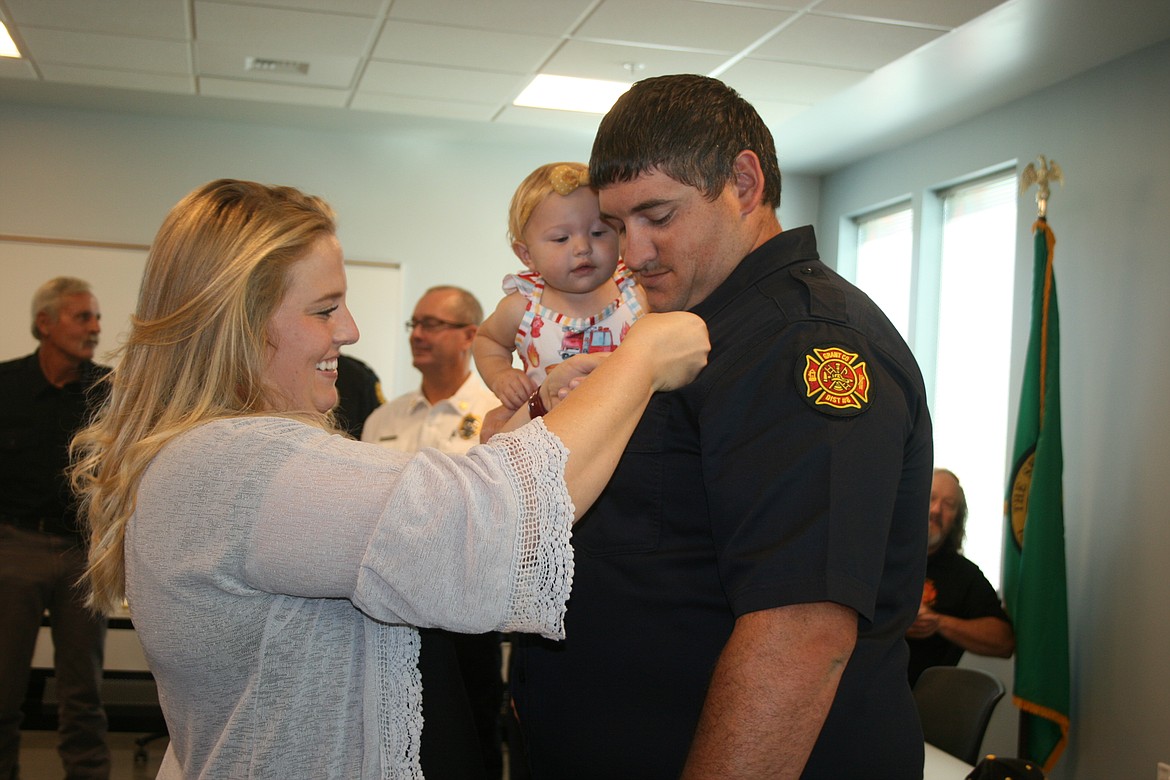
(462, 687)
(448, 408)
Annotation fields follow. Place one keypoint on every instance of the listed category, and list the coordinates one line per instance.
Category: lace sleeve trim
(394, 651)
(543, 565)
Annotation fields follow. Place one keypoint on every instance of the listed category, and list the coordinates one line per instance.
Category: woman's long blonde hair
(215, 274)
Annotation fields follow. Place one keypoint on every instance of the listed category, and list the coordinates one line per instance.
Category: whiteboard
(115, 273)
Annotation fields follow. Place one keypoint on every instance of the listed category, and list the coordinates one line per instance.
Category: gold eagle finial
(1043, 173)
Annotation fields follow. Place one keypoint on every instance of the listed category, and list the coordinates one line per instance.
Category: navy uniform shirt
(359, 392)
(37, 422)
(795, 469)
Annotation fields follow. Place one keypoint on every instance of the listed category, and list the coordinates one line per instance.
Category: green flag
(1035, 588)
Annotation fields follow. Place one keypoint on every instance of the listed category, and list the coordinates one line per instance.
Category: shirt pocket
(627, 518)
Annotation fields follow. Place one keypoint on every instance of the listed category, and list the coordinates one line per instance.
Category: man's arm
(982, 635)
(771, 691)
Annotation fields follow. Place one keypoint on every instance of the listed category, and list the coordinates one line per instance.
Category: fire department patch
(835, 381)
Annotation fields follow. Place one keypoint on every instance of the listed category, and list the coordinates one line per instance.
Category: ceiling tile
(107, 51)
(16, 69)
(538, 17)
(608, 61)
(230, 61)
(844, 43)
(680, 24)
(152, 18)
(461, 47)
(272, 93)
(120, 79)
(424, 81)
(787, 82)
(943, 13)
(281, 33)
(370, 8)
(779, 5)
(466, 59)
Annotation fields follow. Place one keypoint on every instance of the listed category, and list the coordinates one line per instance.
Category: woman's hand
(674, 346)
(595, 420)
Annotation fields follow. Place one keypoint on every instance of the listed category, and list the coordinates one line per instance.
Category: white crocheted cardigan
(275, 572)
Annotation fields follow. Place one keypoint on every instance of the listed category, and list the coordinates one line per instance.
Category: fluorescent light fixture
(7, 45)
(564, 93)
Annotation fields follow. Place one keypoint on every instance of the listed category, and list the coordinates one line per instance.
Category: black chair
(955, 706)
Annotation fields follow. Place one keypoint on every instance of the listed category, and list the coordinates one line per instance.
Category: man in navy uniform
(743, 586)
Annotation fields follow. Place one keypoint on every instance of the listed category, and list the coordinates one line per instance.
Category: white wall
(1109, 131)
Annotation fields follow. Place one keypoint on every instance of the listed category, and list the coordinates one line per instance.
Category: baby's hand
(512, 387)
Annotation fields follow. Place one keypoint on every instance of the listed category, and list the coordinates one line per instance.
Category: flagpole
(1035, 579)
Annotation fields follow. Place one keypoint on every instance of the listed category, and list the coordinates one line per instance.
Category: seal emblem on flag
(835, 381)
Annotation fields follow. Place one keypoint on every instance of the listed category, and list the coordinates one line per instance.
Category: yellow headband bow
(565, 179)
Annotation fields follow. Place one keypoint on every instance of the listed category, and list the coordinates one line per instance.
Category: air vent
(275, 66)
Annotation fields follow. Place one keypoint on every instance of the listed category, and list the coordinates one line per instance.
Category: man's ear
(471, 334)
(749, 181)
(43, 321)
(521, 250)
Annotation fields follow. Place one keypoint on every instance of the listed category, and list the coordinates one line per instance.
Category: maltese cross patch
(834, 381)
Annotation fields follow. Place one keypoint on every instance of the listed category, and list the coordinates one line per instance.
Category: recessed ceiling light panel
(275, 66)
(563, 93)
(7, 45)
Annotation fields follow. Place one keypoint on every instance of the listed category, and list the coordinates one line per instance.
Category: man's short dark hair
(689, 127)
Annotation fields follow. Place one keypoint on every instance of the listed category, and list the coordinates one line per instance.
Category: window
(885, 241)
(953, 305)
(970, 405)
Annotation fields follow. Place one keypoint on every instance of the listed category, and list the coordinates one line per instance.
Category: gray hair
(49, 295)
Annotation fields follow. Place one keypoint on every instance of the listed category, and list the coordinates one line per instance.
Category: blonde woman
(275, 568)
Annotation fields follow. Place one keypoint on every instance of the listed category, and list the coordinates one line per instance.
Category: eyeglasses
(432, 324)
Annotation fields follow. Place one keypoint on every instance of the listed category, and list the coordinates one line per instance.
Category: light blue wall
(1109, 130)
(430, 200)
(432, 197)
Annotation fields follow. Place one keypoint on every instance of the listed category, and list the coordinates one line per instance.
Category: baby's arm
(493, 346)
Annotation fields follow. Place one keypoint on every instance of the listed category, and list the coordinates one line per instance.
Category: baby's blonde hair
(562, 178)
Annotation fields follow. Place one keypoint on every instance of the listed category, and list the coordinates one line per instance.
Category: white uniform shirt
(409, 422)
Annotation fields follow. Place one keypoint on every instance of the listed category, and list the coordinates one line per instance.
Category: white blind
(885, 244)
(971, 401)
